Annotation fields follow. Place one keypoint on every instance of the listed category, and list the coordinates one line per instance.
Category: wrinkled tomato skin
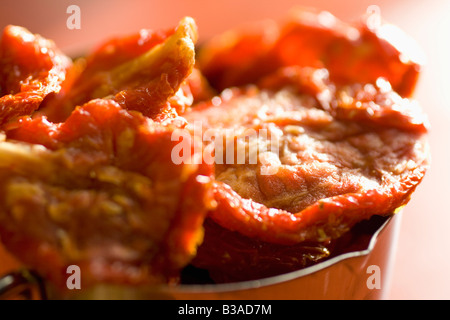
(92, 164)
(146, 72)
(360, 60)
(77, 89)
(31, 68)
(102, 184)
(352, 53)
(246, 240)
(374, 104)
(378, 185)
(119, 50)
(34, 131)
(107, 197)
(240, 56)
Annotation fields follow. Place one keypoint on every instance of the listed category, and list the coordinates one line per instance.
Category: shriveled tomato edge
(326, 219)
(30, 98)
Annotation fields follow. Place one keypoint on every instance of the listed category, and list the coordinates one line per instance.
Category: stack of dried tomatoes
(88, 175)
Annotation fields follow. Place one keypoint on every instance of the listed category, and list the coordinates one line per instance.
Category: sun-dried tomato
(143, 72)
(342, 154)
(103, 194)
(367, 103)
(97, 175)
(311, 38)
(329, 171)
(317, 110)
(31, 67)
(229, 256)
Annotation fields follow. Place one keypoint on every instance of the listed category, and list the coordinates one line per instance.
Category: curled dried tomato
(101, 191)
(328, 171)
(310, 38)
(322, 132)
(325, 158)
(31, 67)
(97, 175)
(368, 103)
(146, 72)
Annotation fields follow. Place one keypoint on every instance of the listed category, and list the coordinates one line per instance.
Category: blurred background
(422, 265)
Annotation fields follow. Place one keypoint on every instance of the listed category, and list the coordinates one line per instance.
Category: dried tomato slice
(239, 56)
(311, 38)
(367, 103)
(105, 194)
(328, 171)
(31, 67)
(230, 256)
(144, 72)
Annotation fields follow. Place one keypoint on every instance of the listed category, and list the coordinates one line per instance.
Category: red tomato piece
(330, 170)
(144, 72)
(106, 196)
(31, 67)
(311, 38)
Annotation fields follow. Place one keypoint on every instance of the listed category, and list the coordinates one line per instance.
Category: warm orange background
(422, 268)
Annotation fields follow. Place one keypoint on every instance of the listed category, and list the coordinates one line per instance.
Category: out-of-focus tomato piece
(31, 67)
(352, 53)
(101, 191)
(239, 56)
